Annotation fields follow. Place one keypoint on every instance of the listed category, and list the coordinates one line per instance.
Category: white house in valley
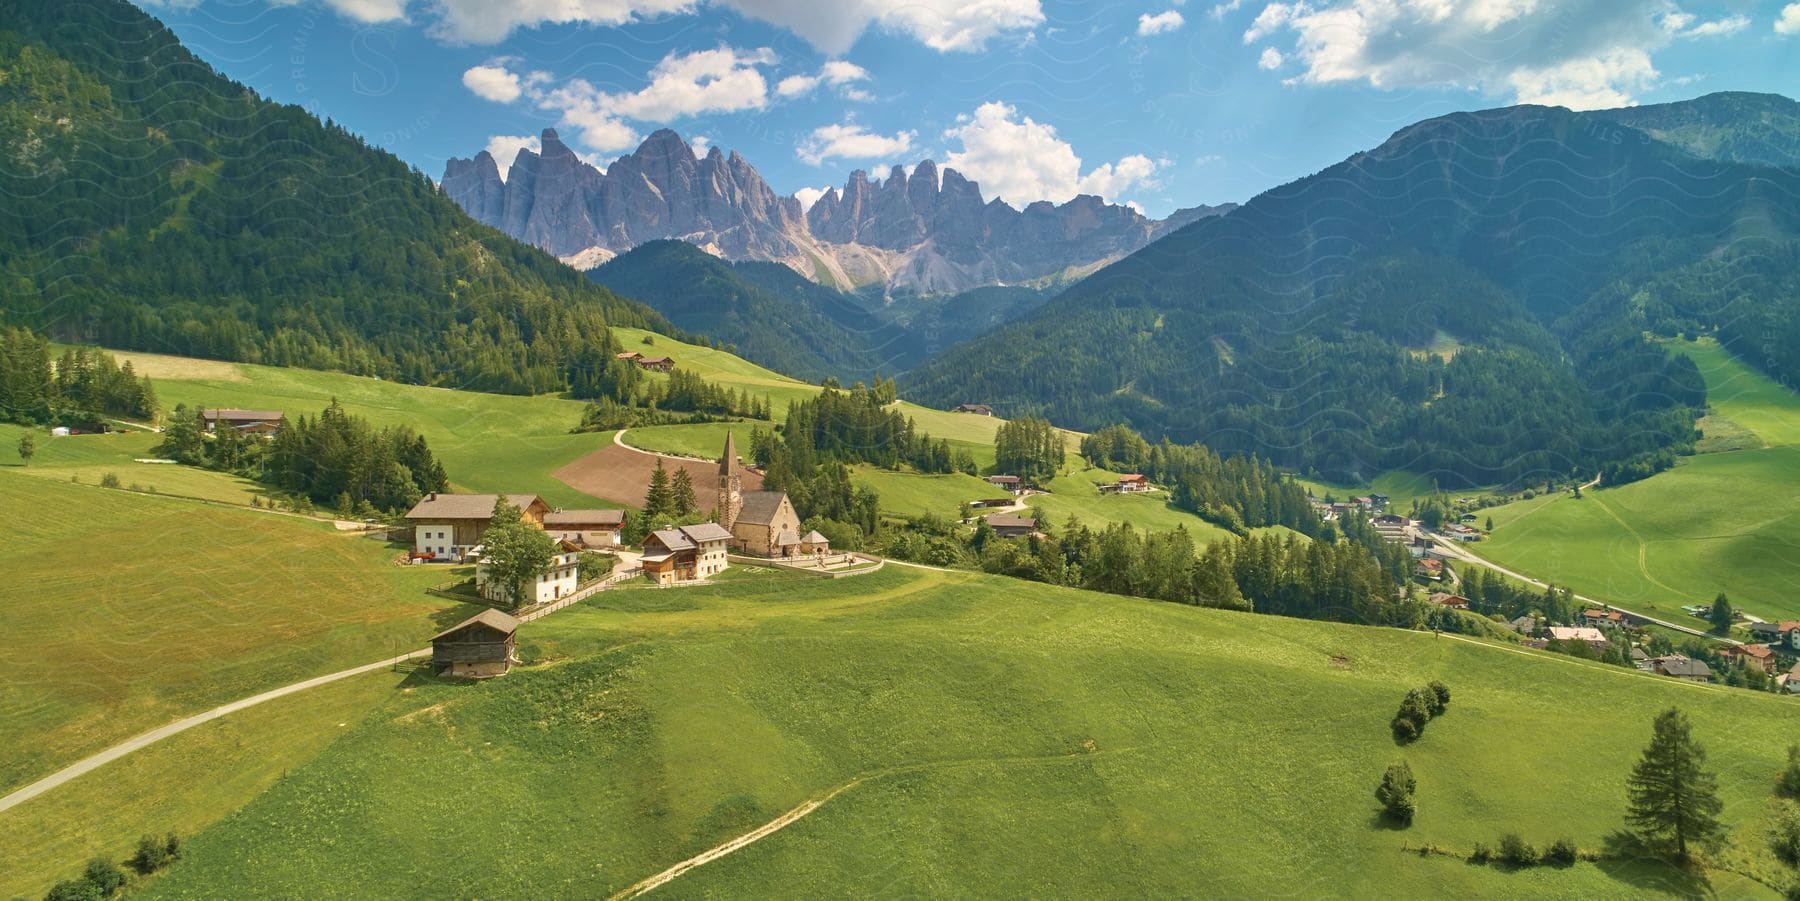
(557, 582)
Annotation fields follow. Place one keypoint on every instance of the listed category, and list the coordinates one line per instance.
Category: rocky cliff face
(929, 232)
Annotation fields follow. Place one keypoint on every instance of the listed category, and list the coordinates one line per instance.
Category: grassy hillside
(487, 442)
(983, 737)
(1716, 522)
(127, 611)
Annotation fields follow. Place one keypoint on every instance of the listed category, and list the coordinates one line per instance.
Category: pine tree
(27, 447)
(1396, 793)
(1673, 799)
(1721, 615)
(660, 501)
(682, 491)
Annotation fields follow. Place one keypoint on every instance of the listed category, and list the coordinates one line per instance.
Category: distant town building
(977, 409)
(1676, 666)
(559, 580)
(686, 553)
(589, 528)
(656, 364)
(477, 647)
(246, 422)
(447, 526)
(1595, 638)
(1453, 601)
(1011, 525)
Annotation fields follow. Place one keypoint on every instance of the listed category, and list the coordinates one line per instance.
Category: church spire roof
(729, 460)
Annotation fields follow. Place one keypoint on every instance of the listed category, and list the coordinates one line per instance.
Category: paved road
(182, 725)
(1455, 551)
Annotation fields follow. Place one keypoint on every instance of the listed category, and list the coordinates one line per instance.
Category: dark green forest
(154, 204)
(1410, 308)
(79, 388)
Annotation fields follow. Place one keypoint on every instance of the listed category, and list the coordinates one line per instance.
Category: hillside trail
(137, 743)
(652, 883)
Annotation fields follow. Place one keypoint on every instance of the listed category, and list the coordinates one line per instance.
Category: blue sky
(1162, 104)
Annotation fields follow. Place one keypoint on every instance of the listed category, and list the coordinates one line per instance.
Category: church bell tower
(731, 485)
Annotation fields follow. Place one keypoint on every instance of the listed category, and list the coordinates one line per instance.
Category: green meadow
(487, 442)
(977, 736)
(127, 611)
(1726, 521)
(1078, 494)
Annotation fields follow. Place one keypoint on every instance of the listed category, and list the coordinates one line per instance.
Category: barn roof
(1010, 520)
(584, 517)
(493, 619)
(760, 506)
(439, 505)
(813, 537)
(706, 531)
(235, 415)
(673, 539)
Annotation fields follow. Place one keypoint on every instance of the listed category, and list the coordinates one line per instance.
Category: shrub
(1793, 891)
(104, 875)
(109, 480)
(1784, 833)
(1442, 692)
(1396, 793)
(1562, 854)
(74, 890)
(1515, 851)
(172, 845)
(1405, 730)
(152, 855)
(1789, 784)
(1481, 854)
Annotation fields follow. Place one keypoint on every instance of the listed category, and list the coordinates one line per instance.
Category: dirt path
(182, 725)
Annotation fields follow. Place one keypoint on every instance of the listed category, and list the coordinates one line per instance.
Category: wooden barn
(478, 647)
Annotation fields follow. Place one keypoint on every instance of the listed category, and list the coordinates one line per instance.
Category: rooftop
(439, 505)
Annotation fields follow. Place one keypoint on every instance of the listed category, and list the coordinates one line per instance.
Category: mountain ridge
(924, 232)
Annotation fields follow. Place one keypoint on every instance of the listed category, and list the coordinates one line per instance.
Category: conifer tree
(1674, 800)
(682, 494)
(660, 501)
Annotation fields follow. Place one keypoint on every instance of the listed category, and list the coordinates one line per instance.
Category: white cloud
(797, 85)
(851, 141)
(1159, 23)
(837, 73)
(699, 143)
(505, 149)
(367, 11)
(1602, 82)
(1222, 10)
(831, 26)
(943, 25)
(492, 82)
(720, 80)
(1270, 59)
(1789, 22)
(1727, 26)
(489, 21)
(808, 197)
(1020, 160)
(1581, 53)
(1677, 22)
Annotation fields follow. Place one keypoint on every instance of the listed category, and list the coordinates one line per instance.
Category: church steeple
(731, 484)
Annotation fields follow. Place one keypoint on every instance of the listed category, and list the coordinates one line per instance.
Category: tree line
(79, 388)
(336, 458)
(1237, 493)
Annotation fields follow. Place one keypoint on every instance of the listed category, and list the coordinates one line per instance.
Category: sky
(1161, 104)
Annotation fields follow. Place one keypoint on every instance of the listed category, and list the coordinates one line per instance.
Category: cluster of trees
(173, 209)
(102, 878)
(858, 426)
(1029, 447)
(1286, 575)
(1420, 706)
(1237, 493)
(80, 387)
(336, 458)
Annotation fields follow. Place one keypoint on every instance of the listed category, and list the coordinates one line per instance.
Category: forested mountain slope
(153, 204)
(767, 312)
(1399, 309)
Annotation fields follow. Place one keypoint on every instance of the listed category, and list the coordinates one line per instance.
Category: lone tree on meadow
(27, 447)
(1674, 800)
(515, 553)
(1396, 794)
(1721, 615)
(1789, 784)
